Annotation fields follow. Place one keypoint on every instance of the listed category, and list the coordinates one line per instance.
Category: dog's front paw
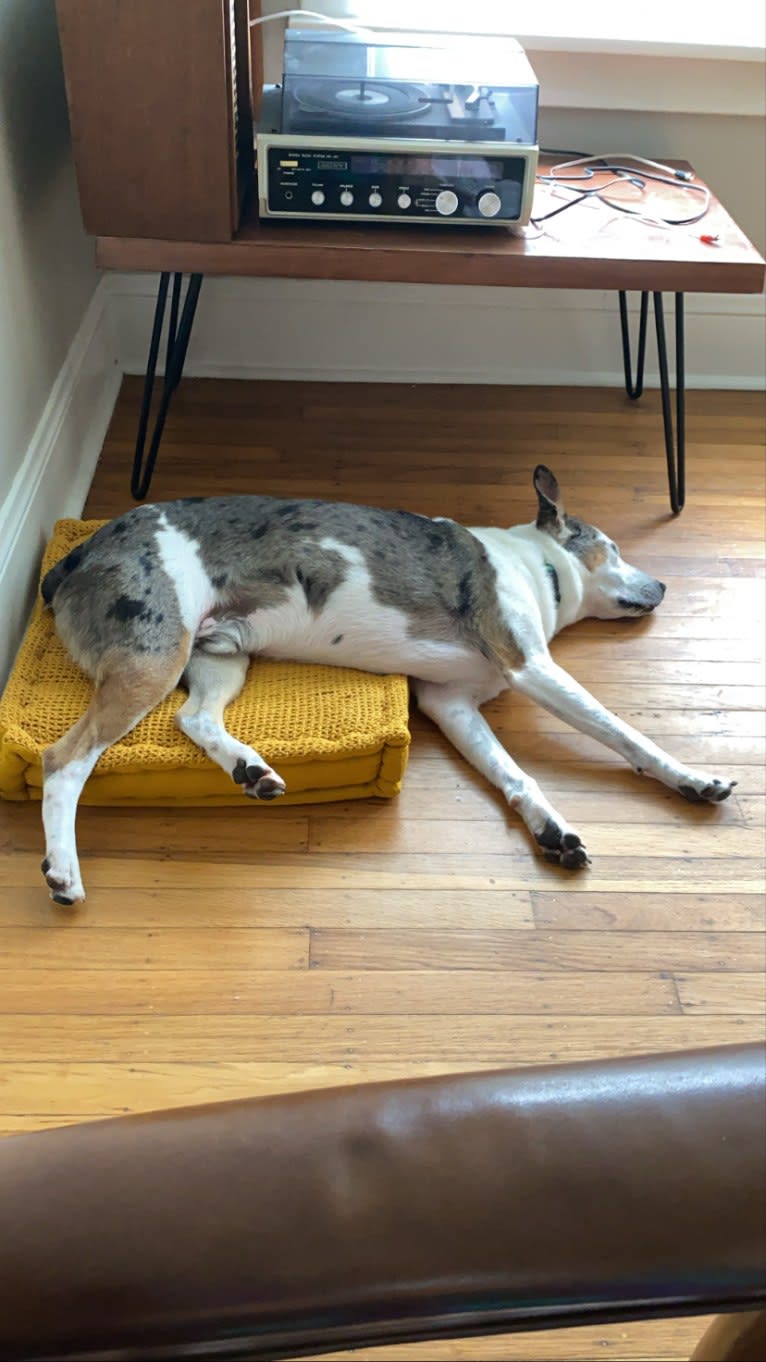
(705, 791)
(562, 847)
(63, 880)
(257, 781)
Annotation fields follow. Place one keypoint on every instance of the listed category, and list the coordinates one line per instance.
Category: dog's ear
(550, 513)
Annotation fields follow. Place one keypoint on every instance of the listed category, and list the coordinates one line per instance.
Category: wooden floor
(260, 950)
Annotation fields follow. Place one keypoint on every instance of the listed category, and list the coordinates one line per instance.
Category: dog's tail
(58, 573)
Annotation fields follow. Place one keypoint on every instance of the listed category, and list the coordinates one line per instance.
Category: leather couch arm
(388, 1212)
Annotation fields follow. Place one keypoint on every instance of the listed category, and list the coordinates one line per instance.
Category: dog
(191, 590)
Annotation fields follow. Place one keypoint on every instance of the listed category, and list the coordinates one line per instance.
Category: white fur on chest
(524, 585)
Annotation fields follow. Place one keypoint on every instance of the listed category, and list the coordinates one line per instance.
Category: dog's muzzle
(646, 600)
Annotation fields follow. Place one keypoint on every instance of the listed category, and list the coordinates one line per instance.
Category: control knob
(375, 199)
(446, 202)
(346, 198)
(317, 197)
(489, 203)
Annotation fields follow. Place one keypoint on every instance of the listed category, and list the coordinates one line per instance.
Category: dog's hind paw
(562, 848)
(259, 782)
(712, 792)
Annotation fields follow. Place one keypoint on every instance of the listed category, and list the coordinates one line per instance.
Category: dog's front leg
(458, 716)
(544, 681)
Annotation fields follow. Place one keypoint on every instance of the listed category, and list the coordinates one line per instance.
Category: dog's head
(612, 587)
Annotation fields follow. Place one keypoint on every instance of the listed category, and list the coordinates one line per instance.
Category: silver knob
(446, 202)
(404, 200)
(375, 199)
(346, 198)
(317, 197)
(489, 204)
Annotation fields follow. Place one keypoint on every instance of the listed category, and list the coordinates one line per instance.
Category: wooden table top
(591, 245)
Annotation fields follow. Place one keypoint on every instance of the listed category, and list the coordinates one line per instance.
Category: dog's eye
(613, 546)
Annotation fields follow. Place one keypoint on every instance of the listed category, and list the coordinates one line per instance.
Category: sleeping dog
(191, 590)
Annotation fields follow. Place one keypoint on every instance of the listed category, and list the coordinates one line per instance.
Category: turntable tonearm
(405, 129)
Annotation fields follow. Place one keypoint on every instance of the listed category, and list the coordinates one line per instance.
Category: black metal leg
(178, 343)
(675, 445)
(633, 390)
(675, 442)
(175, 300)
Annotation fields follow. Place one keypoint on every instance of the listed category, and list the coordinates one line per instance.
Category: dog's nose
(662, 587)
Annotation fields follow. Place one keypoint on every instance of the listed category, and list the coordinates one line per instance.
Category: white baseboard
(58, 466)
(404, 333)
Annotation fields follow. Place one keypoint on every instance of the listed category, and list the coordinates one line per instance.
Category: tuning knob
(446, 202)
(489, 203)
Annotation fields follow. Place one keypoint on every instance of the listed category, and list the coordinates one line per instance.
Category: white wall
(49, 386)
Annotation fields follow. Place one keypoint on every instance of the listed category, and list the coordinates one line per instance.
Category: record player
(399, 128)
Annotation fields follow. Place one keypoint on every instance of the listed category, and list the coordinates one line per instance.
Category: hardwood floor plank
(434, 768)
(716, 994)
(52, 1094)
(193, 909)
(603, 951)
(158, 832)
(498, 1039)
(473, 800)
(711, 836)
(254, 990)
(507, 718)
(54, 946)
(695, 675)
(519, 869)
(650, 912)
(659, 1341)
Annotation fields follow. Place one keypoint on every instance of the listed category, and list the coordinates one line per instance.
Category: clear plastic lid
(408, 85)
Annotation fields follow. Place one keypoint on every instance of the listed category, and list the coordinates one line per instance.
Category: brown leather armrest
(391, 1211)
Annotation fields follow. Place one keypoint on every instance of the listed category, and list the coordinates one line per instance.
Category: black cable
(625, 174)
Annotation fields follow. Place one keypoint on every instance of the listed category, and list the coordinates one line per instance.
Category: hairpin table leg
(675, 442)
(633, 390)
(675, 446)
(177, 345)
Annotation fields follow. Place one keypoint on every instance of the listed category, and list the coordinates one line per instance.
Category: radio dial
(446, 202)
(404, 200)
(375, 199)
(489, 203)
(346, 198)
(317, 197)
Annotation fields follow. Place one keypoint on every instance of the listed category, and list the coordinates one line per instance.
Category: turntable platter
(361, 99)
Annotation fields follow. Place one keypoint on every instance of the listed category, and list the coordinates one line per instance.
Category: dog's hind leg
(214, 680)
(123, 694)
(458, 716)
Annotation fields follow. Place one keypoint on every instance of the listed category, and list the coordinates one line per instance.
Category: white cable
(624, 155)
(310, 14)
(610, 156)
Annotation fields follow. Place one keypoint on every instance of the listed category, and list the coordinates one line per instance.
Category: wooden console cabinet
(160, 106)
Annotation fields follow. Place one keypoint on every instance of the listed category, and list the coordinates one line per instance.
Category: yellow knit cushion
(330, 732)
